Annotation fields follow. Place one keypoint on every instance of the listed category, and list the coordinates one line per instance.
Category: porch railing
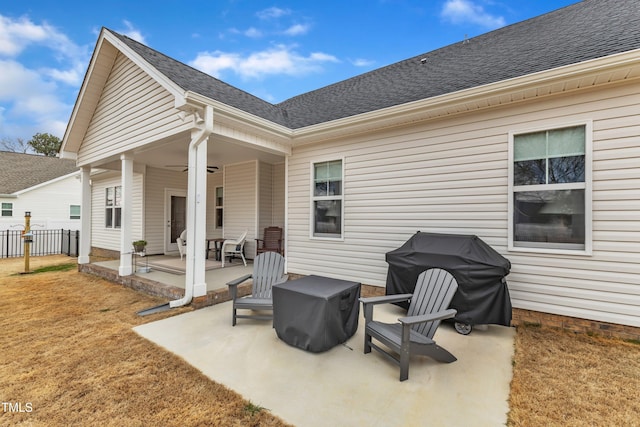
(45, 242)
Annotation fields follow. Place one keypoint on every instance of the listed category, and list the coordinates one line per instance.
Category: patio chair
(414, 333)
(268, 270)
(182, 243)
(271, 242)
(234, 247)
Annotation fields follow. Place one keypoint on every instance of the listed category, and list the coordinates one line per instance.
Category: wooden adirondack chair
(272, 241)
(268, 270)
(414, 333)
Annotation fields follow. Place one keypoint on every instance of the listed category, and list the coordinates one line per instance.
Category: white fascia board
(163, 80)
(81, 94)
(258, 124)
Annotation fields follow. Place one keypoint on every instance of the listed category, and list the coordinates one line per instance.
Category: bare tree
(17, 145)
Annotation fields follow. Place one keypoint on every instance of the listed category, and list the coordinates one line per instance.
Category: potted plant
(139, 245)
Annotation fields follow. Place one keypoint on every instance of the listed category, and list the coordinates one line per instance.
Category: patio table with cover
(315, 313)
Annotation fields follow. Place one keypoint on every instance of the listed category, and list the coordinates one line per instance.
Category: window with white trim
(550, 189)
(327, 199)
(7, 209)
(113, 207)
(74, 212)
(219, 207)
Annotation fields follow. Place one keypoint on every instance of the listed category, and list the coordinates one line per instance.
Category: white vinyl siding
(133, 110)
(240, 210)
(451, 176)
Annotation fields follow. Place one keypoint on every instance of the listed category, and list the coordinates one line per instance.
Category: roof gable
(21, 171)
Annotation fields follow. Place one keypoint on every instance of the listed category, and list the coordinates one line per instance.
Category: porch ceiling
(172, 153)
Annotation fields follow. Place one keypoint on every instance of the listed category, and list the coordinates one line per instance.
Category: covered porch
(164, 283)
(200, 182)
(164, 149)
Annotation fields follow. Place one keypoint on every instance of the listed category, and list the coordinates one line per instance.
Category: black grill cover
(482, 296)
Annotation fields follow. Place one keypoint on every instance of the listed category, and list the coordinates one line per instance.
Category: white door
(176, 217)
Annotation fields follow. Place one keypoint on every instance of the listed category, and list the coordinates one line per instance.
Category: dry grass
(69, 357)
(566, 379)
(68, 351)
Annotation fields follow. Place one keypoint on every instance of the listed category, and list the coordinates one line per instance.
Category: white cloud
(33, 103)
(253, 33)
(17, 35)
(463, 11)
(273, 13)
(132, 32)
(279, 60)
(40, 70)
(297, 30)
(361, 62)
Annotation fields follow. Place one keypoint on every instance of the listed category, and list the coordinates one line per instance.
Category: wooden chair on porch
(271, 242)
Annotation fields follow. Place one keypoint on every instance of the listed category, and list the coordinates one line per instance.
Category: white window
(74, 212)
(550, 190)
(7, 209)
(327, 199)
(219, 207)
(113, 207)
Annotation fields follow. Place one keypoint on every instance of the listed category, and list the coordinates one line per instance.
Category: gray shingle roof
(20, 171)
(583, 31)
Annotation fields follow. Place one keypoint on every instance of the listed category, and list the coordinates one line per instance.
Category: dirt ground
(68, 356)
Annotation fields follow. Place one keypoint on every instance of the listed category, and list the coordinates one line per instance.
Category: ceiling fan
(210, 169)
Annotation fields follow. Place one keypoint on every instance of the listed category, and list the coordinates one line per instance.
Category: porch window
(74, 212)
(219, 207)
(551, 189)
(327, 199)
(7, 209)
(113, 210)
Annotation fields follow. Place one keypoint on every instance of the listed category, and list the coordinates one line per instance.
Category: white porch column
(126, 264)
(197, 217)
(85, 216)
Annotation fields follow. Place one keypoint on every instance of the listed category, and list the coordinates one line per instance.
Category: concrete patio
(343, 386)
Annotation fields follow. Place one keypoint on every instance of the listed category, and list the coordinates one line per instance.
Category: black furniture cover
(315, 313)
(482, 296)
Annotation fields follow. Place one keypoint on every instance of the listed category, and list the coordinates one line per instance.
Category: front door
(176, 217)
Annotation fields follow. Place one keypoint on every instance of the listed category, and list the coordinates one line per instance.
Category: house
(48, 187)
(527, 136)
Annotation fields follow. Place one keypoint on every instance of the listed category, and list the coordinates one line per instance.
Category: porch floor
(158, 281)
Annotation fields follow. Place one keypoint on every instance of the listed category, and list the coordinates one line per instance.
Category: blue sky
(272, 49)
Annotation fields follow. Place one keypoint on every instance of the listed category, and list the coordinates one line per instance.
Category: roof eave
(281, 136)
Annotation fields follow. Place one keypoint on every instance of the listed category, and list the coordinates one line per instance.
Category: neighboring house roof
(21, 171)
(587, 30)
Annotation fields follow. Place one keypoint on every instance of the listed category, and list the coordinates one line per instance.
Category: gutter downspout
(193, 200)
